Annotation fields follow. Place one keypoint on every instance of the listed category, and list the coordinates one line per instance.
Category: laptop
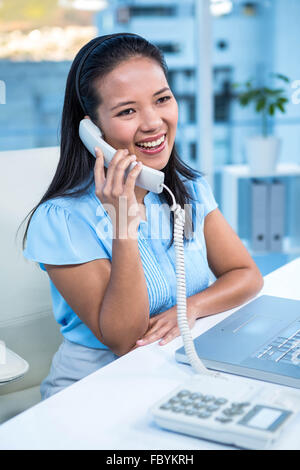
(260, 340)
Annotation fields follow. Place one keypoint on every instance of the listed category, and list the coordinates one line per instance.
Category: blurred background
(234, 68)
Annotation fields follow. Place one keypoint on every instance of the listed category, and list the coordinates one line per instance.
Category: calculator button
(190, 412)
(220, 401)
(203, 415)
(174, 400)
(237, 409)
(239, 405)
(186, 402)
(166, 406)
(183, 393)
(199, 405)
(233, 411)
(212, 408)
(195, 396)
(229, 412)
(223, 419)
(207, 398)
(177, 409)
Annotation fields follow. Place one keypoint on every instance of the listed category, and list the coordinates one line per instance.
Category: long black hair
(74, 171)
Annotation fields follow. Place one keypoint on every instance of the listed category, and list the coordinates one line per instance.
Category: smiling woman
(148, 127)
(113, 293)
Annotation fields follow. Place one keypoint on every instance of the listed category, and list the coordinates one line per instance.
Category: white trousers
(71, 363)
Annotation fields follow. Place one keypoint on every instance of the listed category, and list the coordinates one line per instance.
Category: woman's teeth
(152, 144)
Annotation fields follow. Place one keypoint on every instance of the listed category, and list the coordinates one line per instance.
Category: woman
(112, 291)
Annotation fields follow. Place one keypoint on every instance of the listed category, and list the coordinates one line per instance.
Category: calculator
(227, 410)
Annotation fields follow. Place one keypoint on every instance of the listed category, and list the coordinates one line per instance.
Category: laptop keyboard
(284, 348)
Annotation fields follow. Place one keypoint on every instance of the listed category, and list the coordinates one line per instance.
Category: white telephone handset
(149, 179)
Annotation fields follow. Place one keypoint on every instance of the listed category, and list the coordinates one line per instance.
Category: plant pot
(262, 154)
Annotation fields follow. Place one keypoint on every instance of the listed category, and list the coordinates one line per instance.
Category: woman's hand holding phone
(116, 192)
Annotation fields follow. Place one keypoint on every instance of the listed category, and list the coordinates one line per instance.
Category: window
(152, 10)
(169, 48)
(38, 42)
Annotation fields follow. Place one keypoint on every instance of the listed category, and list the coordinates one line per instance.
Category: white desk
(109, 408)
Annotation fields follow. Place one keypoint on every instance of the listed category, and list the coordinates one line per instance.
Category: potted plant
(263, 150)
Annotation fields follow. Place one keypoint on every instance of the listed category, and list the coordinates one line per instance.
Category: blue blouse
(68, 230)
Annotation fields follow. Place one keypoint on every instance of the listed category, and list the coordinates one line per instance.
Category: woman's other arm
(238, 280)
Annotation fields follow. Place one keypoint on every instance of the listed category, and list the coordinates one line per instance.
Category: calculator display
(265, 418)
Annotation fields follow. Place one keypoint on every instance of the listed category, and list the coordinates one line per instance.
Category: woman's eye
(125, 112)
(164, 98)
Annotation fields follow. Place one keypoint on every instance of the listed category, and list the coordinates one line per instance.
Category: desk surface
(109, 409)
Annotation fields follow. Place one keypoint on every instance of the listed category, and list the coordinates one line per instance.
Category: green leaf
(244, 100)
(282, 77)
(279, 106)
(265, 99)
(276, 91)
(283, 100)
(267, 91)
(254, 94)
(271, 109)
(260, 104)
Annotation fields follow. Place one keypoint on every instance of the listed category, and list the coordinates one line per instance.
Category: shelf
(288, 249)
(231, 176)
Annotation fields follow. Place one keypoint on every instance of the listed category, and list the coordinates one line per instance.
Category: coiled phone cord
(190, 351)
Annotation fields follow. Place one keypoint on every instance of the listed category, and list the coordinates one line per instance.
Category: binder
(259, 215)
(276, 214)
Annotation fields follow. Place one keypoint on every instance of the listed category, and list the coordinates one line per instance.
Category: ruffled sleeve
(204, 195)
(56, 236)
